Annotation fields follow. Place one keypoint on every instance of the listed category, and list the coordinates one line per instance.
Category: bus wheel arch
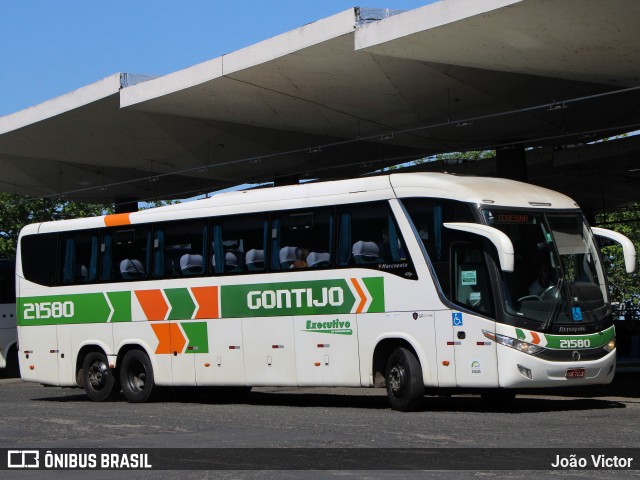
(136, 374)
(93, 373)
(396, 365)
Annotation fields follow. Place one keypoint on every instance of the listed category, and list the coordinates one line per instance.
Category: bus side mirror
(500, 240)
(628, 250)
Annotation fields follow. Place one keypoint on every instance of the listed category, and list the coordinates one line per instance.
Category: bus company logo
(311, 297)
(295, 297)
(476, 368)
(23, 459)
(334, 327)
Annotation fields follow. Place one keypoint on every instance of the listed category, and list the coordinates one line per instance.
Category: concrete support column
(511, 163)
(126, 205)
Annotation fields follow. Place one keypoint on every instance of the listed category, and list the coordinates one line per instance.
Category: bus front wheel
(405, 387)
(136, 376)
(99, 381)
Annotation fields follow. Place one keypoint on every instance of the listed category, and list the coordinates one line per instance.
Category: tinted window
(368, 237)
(39, 254)
(126, 254)
(428, 216)
(79, 254)
(239, 244)
(179, 249)
(301, 239)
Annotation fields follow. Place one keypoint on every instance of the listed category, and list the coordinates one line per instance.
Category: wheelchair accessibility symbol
(456, 318)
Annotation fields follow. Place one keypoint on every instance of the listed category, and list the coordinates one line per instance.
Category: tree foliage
(625, 287)
(16, 211)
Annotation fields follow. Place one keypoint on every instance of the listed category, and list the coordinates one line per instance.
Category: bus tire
(136, 377)
(99, 381)
(403, 375)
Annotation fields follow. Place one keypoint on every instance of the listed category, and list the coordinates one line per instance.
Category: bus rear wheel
(99, 381)
(136, 376)
(403, 375)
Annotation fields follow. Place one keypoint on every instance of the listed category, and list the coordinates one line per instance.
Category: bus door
(475, 356)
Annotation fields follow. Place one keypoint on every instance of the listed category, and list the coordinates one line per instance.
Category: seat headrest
(366, 249)
(288, 254)
(254, 256)
(189, 261)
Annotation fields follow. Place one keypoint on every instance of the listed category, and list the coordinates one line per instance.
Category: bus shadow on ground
(462, 403)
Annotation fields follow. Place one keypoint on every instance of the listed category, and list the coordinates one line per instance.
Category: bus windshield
(558, 278)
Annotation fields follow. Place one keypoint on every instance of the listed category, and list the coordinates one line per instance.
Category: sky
(52, 47)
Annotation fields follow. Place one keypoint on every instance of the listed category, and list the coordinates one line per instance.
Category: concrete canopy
(340, 97)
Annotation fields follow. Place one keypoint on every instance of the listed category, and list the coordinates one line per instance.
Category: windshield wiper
(556, 308)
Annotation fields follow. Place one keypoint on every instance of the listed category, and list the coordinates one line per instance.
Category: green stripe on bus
(593, 340)
(75, 308)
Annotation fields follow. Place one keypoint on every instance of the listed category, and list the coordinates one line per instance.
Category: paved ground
(35, 416)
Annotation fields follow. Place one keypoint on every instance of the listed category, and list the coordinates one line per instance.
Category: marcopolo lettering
(295, 298)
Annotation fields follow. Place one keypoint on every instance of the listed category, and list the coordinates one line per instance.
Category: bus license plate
(575, 373)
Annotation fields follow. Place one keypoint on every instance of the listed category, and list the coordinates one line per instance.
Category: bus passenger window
(301, 239)
(38, 254)
(238, 244)
(179, 249)
(131, 254)
(368, 237)
(79, 257)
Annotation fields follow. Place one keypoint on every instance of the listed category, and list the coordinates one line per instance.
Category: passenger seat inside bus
(366, 253)
(131, 268)
(287, 257)
(255, 260)
(191, 264)
(231, 263)
(318, 259)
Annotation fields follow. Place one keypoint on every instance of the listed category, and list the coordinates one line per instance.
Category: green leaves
(16, 211)
(624, 287)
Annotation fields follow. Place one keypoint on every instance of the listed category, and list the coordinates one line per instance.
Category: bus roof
(478, 190)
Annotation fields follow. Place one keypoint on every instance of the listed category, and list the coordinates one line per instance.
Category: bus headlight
(514, 343)
(609, 347)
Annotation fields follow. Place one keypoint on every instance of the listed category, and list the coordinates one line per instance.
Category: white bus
(8, 335)
(417, 282)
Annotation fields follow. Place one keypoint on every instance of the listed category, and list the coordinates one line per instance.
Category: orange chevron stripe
(363, 297)
(207, 298)
(153, 304)
(170, 338)
(536, 338)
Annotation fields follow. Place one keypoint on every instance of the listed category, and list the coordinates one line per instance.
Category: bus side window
(131, 255)
(39, 259)
(238, 244)
(368, 237)
(301, 239)
(471, 286)
(79, 257)
(179, 249)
